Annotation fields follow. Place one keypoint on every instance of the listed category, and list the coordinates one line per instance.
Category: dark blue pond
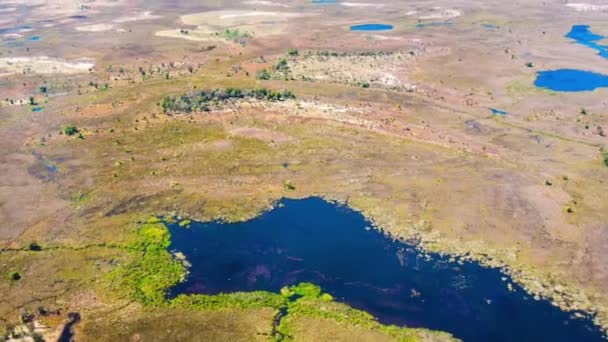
(584, 36)
(333, 246)
(371, 27)
(570, 80)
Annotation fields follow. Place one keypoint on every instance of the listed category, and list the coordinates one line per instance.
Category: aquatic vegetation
(202, 101)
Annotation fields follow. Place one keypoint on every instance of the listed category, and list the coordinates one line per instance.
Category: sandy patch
(442, 13)
(137, 17)
(585, 7)
(361, 5)
(265, 3)
(42, 65)
(95, 28)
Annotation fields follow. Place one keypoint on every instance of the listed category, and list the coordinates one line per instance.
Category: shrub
(14, 276)
(263, 75)
(71, 130)
(34, 246)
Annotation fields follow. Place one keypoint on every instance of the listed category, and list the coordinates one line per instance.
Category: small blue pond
(583, 35)
(324, 2)
(371, 27)
(490, 26)
(570, 80)
(34, 38)
(333, 246)
(37, 109)
(497, 111)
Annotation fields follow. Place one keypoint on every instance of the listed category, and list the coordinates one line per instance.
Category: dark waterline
(570, 80)
(333, 246)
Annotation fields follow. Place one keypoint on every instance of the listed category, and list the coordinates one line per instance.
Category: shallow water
(433, 24)
(333, 246)
(497, 111)
(584, 36)
(570, 80)
(371, 27)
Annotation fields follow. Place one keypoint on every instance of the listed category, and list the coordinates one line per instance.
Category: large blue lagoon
(333, 246)
(570, 80)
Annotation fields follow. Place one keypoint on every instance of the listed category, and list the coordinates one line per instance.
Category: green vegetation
(184, 223)
(363, 84)
(34, 246)
(263, 75)
(239, 300)
(282, 65)
(289, 186)
(605, 157)
(202, 101)
(293, 53)
(153, 271)
(234, 35)
(14, 276)
(70, 130)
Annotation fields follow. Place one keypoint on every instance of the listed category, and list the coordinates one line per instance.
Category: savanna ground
(396, 123)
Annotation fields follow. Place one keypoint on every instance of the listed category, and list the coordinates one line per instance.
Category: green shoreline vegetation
(148, 276)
